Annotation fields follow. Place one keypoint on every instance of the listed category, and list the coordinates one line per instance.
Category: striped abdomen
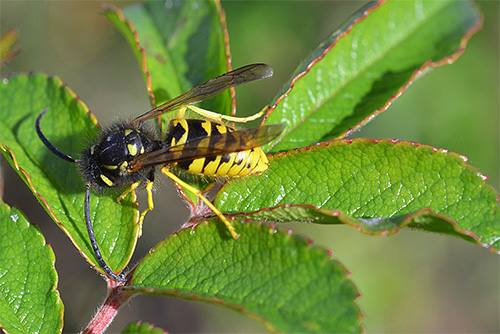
(235, 164)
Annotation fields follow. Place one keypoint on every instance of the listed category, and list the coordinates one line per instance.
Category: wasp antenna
(93, 241)
(47, 143)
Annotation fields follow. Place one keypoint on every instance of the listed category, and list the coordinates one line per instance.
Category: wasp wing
(214, 145)
(210, 89)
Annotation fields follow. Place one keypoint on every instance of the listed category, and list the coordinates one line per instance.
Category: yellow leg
(218, 117)
(149, 189)
(127, 191)
(165, 170)
(151, 205)
(182, 111)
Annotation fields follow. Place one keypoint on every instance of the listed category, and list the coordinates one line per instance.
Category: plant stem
(109, 309)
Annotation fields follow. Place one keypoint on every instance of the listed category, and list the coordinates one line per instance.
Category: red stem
(109, 309)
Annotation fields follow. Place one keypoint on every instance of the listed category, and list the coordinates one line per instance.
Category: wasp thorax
(120, 146)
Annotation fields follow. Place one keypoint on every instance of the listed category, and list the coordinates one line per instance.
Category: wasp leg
(165, 170)
(218, 117)
(151, 206)
(93, 241)
(149, 189)
(127, 191)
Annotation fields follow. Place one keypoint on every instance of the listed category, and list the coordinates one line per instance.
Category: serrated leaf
(142, 328)
(179, 44)
(268, 274)
(372, 179)
(362, 67)
(56, 183)
(29, 301)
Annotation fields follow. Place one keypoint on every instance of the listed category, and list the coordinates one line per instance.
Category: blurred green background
(410, 282)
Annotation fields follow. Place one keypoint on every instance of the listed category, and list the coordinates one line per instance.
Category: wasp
(126, 154)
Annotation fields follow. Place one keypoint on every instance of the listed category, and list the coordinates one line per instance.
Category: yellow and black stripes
(125, 154)
(218, 138)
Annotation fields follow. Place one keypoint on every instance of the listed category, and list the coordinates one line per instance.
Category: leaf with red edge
(178, 44)
(268, 274)
(56, 183)
(365, 65)
(382, 185)
(29, 300)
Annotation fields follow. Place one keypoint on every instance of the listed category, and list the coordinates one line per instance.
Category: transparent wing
(220, 144)
(210, 89)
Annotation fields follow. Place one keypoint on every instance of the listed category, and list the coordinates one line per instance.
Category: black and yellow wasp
(125, 155)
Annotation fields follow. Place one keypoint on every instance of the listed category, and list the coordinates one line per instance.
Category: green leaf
(56, 183)
(268, 274)
(362, 67)
(29, 300)
(142, 328)
(369, 179)
(179, 44)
